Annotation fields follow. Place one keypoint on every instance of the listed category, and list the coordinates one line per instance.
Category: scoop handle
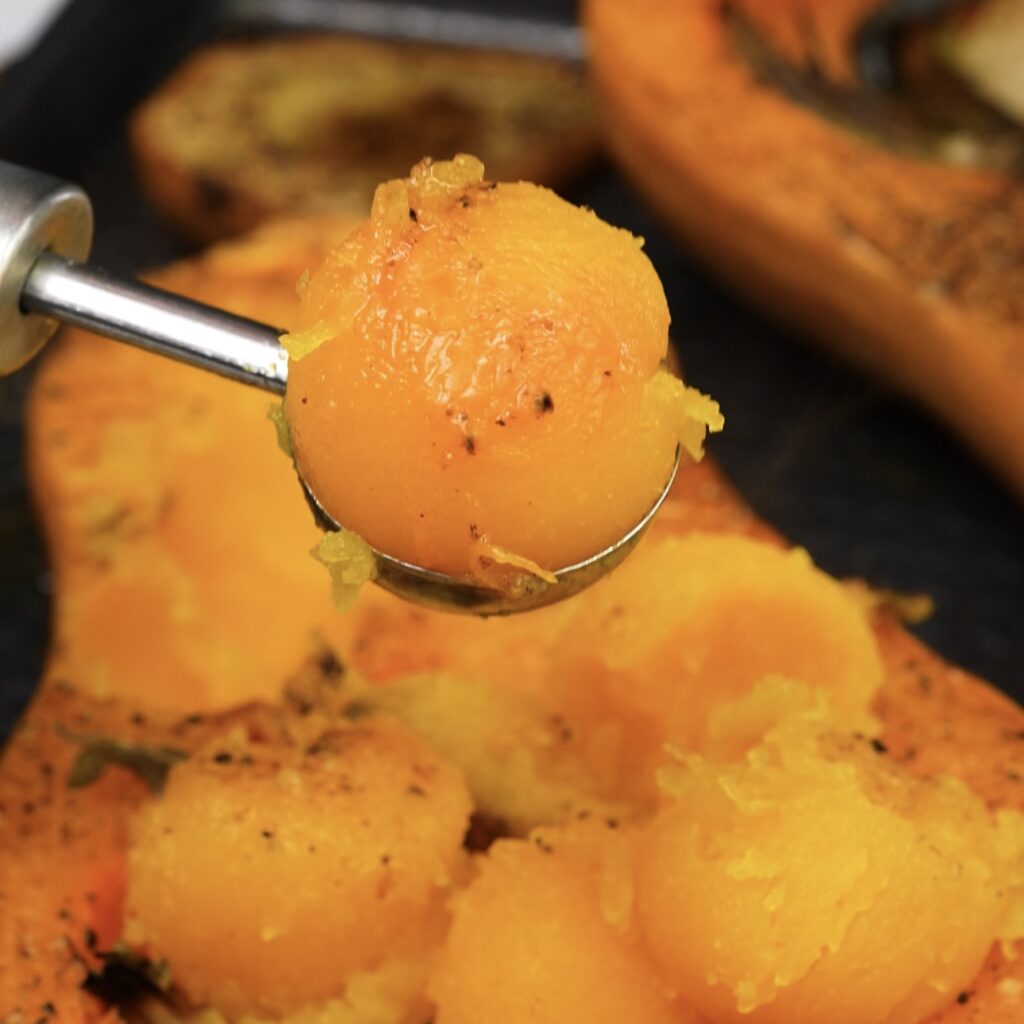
(45, 231)
(37, 214)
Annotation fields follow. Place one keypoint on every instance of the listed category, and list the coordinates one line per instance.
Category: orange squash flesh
(687, 624)
(909, 268)
(261, 831)
(827, 847)
(169, 567)
(58, 846)
(476, 372)
(535, 911)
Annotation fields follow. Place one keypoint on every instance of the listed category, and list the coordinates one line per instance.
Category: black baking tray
(866, 482)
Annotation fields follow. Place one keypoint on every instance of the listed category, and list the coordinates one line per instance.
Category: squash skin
(935, 717)
(912, 270)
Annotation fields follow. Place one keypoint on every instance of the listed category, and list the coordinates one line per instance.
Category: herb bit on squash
(476, 382)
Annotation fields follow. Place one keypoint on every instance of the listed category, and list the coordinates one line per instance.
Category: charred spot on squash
(485, 830)
(212, 195)
(877, 42)
(318, 684)
(128, 978)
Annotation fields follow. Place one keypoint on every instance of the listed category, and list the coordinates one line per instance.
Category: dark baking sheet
(868, 484)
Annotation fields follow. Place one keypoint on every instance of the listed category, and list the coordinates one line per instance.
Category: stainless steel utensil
(46, 234)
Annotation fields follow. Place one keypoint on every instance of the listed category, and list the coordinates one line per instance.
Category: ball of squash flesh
(531, 941)
(809, 879)
(475, 377)
(266, 876)
(687, 624)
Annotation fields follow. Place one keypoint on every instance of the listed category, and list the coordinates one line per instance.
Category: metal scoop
(46, 233)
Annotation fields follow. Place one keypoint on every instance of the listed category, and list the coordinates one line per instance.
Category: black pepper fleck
(879, 747)
(470, 443)
(330, 665)
(545, 403)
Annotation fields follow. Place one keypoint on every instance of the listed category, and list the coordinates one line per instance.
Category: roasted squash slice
(751, 143)
(246, 130)
(183, 585)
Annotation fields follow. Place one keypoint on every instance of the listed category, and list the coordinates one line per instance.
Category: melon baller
(45, 237)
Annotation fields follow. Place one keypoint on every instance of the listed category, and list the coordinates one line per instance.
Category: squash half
(909, 267)
(183, 587)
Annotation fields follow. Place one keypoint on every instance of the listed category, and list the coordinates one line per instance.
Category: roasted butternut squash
(227, 608)
(908, 265)
(246, 130)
